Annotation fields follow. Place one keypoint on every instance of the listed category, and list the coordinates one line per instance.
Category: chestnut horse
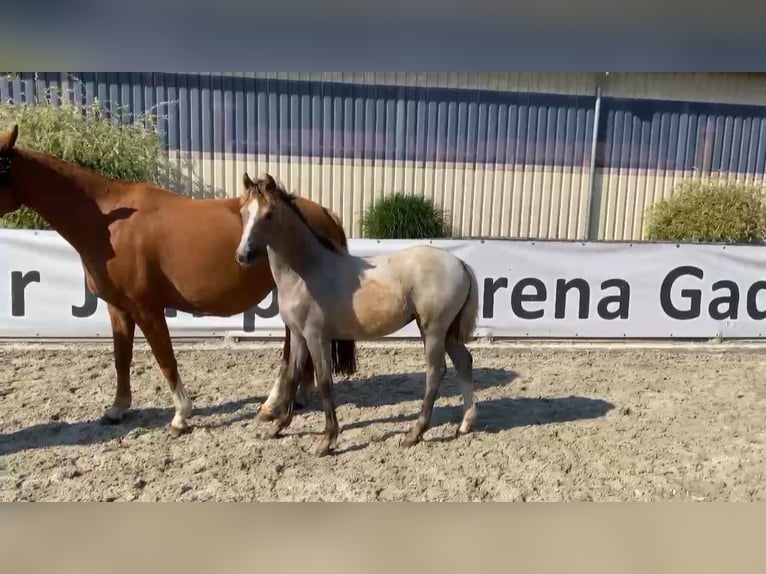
(144, 249)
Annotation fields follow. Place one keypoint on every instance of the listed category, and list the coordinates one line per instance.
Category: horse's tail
(343, 352)
(463, 325)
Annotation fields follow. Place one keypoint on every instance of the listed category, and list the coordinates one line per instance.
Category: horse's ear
(8, 139)
(246, 181)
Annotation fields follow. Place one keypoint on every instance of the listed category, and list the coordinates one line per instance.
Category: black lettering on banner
(694, 295)
(89, 305)
(752, 294)
(518, 297)
(19, 282)
(248, 323)
(562, 287)
(622, 300)
(491, 286)
(731, 301)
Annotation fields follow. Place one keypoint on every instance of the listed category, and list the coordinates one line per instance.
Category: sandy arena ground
(554, 424)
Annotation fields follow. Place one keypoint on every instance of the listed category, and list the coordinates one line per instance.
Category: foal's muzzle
(246, 259)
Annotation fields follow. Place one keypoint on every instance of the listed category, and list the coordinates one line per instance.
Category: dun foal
(325, 293)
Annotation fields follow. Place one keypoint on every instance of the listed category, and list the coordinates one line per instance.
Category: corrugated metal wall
(646, 147)
(506, 154)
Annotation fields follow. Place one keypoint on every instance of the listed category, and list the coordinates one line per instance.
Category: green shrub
(701, 211)
(404, 216)
(86, 136)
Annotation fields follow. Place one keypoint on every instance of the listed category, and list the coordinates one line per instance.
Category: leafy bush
(128, 151)
(701, 211)
(404, 216)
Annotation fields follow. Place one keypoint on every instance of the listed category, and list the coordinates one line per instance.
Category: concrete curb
(496, 344)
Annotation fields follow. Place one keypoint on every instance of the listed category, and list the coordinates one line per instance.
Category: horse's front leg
(320, 348)
(288, 384)
(123, 331)
(155, 329)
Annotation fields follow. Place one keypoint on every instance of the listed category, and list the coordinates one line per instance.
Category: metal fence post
(592, 195)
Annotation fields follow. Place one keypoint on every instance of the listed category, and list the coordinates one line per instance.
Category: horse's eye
(267, 215)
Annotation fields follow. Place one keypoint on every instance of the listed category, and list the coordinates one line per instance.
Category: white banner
(528, 289)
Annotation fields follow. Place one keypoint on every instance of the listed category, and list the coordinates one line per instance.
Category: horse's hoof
(297, 406)
(106, 420)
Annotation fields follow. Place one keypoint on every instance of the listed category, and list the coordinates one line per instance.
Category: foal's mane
(279, 193)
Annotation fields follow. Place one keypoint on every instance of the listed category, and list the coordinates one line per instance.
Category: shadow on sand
(495, 415)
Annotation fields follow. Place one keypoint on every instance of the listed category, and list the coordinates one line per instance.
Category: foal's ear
(8, 139)
(246, 181)
(269, 183)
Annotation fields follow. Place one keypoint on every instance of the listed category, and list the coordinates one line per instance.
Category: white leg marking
(274, 398)
(469, 418)
(183, 406)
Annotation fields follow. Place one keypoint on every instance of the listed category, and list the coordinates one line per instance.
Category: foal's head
(261, 216)
(9, 200)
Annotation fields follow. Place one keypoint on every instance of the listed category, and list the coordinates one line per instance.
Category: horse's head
(260, 217)
(9, 200)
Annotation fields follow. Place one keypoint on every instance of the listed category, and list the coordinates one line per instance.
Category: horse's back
(186, 249)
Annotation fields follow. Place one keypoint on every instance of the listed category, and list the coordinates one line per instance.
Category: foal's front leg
(321, 354)
(288, 385)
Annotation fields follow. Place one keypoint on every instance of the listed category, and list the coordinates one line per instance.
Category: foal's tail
(463, 325)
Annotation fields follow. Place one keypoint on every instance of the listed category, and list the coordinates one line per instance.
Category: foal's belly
(375, 310)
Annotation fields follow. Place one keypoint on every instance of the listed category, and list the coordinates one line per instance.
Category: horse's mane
(278, 192)
(72, 166)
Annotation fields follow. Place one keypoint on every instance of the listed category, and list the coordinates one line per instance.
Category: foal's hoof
(274, 431)
(323, 448)
(409, 440)
(264, 415)
(176, 432)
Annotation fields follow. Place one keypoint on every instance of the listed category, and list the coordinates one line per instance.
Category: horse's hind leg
(463, 361)
(123, 331)
(435, 368)
(155, 329)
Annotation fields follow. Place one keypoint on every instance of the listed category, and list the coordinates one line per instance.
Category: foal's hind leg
(435, 368)
(123, 330)
(463, 361)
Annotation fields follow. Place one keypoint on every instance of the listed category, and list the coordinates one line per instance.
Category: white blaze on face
(252, 210)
